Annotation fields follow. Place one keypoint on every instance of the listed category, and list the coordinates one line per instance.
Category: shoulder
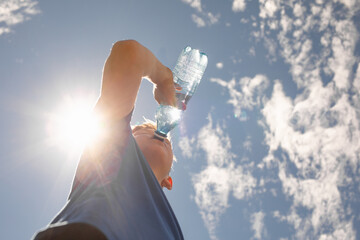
(80, 231)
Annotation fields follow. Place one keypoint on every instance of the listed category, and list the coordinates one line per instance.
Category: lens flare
(74, 124)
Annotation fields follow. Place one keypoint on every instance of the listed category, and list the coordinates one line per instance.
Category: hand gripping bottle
(187, 74)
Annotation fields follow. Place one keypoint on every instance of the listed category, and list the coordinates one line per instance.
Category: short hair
(152, 125)
(146, 124)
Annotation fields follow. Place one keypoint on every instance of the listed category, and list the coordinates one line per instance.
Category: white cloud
(206, 19)
(317, 132)
(314, 131)
(244, 20)
(252, 52)
(271, 47)
(285, 22)
(211, 195)
(213, 18)
(357, 79)
(219, 65)
(13, 12)
(351, 4)
(257, 220)
(343, 231)
(338, 39)
(298, 10)
(343, 45)
(198, 20)
(239, 5)
(215, 144)
(268, 8)
(4, 30)
(277, 110)
(252, 89)
(313, 139)
(196, 4)
(247, 144)
(202, 18)
(356, 88)
(186, 146)
(221, 176)
(247, 93)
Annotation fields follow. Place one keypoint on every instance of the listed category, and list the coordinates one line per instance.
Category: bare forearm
(127, 64)
(139, 61)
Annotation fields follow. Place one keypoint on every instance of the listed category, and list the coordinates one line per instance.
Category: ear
(167, 182)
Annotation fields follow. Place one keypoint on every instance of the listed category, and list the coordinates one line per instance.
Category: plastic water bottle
(187, 74)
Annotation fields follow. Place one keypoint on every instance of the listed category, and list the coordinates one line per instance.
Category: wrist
(162, 76)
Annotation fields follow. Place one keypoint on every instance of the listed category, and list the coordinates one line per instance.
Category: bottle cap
(160, 135)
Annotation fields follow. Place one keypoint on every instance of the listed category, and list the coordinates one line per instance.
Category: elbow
(126, 46)
(125, 43)
(127, 52)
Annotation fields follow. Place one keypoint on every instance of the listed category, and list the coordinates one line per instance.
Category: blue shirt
(117, 192)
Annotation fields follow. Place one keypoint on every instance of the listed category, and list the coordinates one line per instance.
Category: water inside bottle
(187, 74)
(167, 117)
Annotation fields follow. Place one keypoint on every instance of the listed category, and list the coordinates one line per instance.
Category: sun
(74, 124)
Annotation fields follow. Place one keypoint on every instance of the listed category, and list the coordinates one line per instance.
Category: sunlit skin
(126, 65)
(124, 69)
(158, 154)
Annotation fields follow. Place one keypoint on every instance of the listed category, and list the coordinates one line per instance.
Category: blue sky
(269, 147)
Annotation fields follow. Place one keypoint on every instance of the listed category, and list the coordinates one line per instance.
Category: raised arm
(127, 64)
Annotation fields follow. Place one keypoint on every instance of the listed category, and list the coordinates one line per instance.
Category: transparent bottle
(187, 74)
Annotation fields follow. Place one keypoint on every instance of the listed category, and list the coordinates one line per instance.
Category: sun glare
(74, 124)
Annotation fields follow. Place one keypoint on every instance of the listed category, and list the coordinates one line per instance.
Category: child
(117, 189)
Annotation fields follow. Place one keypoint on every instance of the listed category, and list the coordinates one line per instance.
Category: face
(158, 153)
